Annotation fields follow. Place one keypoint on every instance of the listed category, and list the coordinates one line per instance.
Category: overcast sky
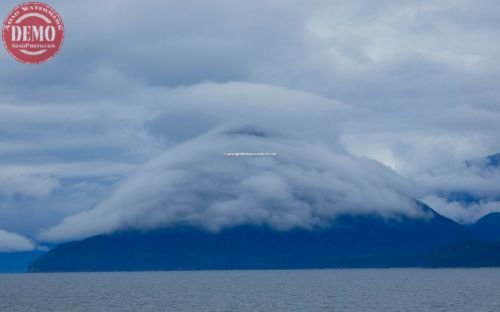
(362, 100)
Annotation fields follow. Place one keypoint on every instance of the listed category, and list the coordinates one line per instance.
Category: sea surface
(471, 290)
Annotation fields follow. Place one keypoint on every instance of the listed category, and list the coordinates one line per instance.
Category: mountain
(487, 167)
(351, 241)
(488, 227)
(17, 262)
(488, 164)
(471, 254)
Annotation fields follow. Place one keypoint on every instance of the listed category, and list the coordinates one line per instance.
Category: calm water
(315, 290)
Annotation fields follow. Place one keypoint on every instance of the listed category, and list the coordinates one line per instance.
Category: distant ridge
(470, 254)
(488, 227)
(352, 241)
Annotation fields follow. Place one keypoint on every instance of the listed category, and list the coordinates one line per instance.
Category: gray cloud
(463, 212)
(12, 183)
(134, 80)
(464, 191)
(67, 159)
(11, 242)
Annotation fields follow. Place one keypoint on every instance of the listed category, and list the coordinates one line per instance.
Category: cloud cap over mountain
(305, 185)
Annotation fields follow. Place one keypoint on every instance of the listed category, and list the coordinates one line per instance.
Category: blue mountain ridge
(488, 227)
(351, 241)
(491, 162)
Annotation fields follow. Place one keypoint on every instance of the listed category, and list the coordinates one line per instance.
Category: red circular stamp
(33, 33)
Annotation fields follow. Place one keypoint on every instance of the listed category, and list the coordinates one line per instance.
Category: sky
(365, 103)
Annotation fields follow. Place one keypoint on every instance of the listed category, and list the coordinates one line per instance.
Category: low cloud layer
(12, 242)
(464, 191)
(305, 185)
